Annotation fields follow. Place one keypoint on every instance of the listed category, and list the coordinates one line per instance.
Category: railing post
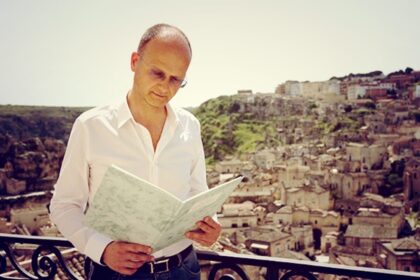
(272, 273)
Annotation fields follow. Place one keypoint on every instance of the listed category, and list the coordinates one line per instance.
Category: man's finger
(205, 227)
(204, 240)
(138, 248)
(197, 236)
(194, 234)
(132, 265)
(138, 257)
(211, 222)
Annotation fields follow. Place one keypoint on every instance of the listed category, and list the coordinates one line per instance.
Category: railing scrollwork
(44, 261)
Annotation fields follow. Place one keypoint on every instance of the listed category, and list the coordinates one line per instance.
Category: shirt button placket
(153, 171)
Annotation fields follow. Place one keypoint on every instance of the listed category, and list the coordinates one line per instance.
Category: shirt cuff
(96, 246)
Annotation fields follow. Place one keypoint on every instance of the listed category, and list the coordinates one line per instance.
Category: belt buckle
(152, 265)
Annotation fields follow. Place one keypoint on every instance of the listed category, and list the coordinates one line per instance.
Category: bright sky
(77, 53)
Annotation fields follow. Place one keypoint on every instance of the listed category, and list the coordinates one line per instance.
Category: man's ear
(134, 60)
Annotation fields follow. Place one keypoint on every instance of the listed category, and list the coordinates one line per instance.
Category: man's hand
(125, 257)
(208, 232)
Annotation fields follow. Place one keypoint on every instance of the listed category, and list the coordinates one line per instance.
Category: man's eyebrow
(156, 68)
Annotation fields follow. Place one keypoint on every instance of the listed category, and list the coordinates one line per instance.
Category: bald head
(164, 32)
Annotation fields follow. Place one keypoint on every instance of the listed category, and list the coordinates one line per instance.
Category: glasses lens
(183, 83)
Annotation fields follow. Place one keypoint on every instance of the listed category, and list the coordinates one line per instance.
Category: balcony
(47, 260)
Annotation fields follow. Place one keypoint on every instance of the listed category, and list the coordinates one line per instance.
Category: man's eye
(158, 74)
(175, 80)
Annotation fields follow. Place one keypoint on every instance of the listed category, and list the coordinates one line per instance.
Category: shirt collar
(172, 116)
(124, 114)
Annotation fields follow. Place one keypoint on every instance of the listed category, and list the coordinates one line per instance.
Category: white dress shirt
(109, 135)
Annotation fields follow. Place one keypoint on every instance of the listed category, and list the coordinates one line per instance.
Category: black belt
(167, 263)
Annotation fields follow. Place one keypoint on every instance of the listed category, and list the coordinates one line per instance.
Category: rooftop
(372, 232)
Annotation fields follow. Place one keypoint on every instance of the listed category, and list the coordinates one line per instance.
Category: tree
(234, 108)
(370, 105)
(348, 108)
(408, 70)
(417, 116)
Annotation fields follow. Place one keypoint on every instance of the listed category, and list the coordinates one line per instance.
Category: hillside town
(333, 192)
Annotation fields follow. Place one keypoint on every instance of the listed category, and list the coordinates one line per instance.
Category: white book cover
(128, 208)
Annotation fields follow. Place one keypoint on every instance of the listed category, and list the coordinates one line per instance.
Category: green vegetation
(23, 122)
(227, 131)
(413, 219)
(248, 136)
(325, 127)
(394, 179)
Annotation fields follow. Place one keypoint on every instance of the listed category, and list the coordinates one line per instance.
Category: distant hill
(358, 75)
(376, 73)
(230, 125)
(23, 122)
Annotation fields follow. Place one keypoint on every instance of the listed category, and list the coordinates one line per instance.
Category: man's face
(159, 71)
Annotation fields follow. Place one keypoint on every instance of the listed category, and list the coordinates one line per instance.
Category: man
(148, 137)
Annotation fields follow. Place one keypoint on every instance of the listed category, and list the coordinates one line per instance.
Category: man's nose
(164, 86)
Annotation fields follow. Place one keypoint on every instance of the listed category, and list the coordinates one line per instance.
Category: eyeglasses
(158, 74)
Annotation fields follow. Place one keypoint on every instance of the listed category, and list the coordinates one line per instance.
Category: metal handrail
(45, 267)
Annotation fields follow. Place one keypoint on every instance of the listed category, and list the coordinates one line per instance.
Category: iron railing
(47, 258)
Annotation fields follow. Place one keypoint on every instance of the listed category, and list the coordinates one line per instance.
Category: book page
(128, 208)
(196, 208)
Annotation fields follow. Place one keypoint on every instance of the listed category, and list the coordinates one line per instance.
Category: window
(235, 225)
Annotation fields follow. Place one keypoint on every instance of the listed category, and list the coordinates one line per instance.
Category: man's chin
(157, 103)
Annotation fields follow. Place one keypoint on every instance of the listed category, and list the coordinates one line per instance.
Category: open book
(128, 208)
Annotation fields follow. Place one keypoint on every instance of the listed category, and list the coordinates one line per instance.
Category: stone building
(375, 217)
(411, 179)
(312, 197)
(303, 238)
(347, 185)
(237, 216)
(31, 217)
(292, 176)
(326, 221)
(401, 254)
(283, 216)
(264, 159)
(365, 236)
(368, 156)
(271, 244)
(232, 165)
